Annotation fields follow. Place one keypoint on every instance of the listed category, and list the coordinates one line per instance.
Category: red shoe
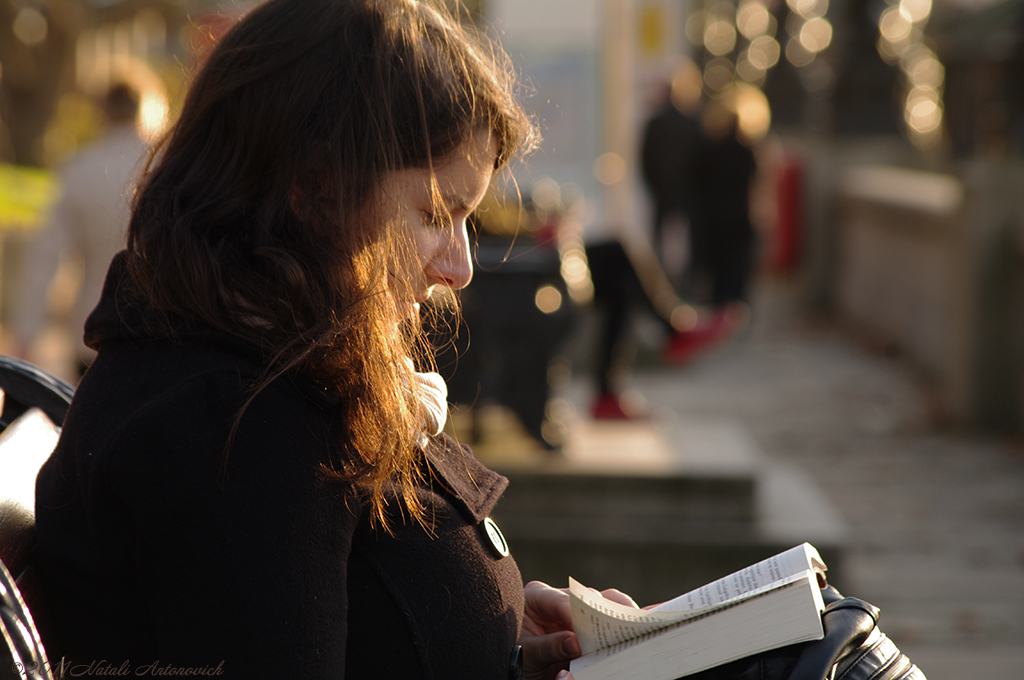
(609, 406)
(685, 345)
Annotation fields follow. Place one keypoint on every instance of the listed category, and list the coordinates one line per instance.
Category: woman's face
(441, 242)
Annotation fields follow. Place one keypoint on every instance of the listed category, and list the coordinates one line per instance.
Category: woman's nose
(453, 265)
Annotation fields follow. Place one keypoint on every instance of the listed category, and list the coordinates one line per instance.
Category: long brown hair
(256, 216)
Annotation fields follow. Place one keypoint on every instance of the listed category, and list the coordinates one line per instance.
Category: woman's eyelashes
(440, 219)
(431, 219)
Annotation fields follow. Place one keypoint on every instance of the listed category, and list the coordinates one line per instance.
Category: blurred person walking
(88, 223)
(644, 277)
(628, 278)
(617, 293)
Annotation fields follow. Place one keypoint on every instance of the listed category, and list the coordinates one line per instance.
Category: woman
(251, 480)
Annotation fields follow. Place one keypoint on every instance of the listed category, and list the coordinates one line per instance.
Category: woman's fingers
(616, 595)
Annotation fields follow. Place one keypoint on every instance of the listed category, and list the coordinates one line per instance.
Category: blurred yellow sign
(652, 29)
(26, 195)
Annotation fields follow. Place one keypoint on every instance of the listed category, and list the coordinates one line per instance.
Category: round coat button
(515, 664)
(498, 541)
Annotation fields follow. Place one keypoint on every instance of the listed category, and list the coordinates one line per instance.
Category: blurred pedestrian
(618, 293)
(668, 154)
(88, 223)
(725, 171)
(642, 276)
(628, 279)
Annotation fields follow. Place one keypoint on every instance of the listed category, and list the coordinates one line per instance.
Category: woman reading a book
(252, 480)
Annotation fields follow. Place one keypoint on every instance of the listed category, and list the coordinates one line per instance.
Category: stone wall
(930, 265)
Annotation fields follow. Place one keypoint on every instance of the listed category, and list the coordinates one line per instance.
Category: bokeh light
(718, 75)
(923, 111)
(753, 19)
(894, 25)
(797, 54)
(753, 113)
(686, 85)
(154, 112)
(695, 28)
(719, 37)
(684, 318)
(915, 11)
(816, 35)
(808, 9)
(548, 299)
(922, 67)
(546, 195)
(30, 26)
(764, 52)
(794, 24)
(576, 273)
(749, 71)
(901, 41)
(609, 168)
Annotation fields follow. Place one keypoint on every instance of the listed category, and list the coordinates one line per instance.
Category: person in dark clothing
(668, 154)
(670, 143)
(726, 167)
(668, 150)
(251, 480)
(618, 293)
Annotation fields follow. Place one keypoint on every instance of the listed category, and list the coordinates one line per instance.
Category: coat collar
(474, 488)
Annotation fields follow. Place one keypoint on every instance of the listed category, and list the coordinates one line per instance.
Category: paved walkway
(935, 517)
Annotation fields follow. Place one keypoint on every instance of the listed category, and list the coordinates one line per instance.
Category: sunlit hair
(258, 214)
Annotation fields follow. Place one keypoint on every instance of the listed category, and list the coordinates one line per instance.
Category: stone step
(656, 509)
(625, 479)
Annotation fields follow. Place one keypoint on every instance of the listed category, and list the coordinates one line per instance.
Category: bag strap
(848, 624)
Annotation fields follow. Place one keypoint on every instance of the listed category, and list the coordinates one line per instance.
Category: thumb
(543, 651)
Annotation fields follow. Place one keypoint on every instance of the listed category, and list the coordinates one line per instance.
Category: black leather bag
(853, 649)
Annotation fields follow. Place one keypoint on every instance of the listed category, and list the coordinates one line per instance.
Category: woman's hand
(548, 640)
(547, 637)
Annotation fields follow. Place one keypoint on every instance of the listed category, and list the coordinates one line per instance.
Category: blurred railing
(930, 266)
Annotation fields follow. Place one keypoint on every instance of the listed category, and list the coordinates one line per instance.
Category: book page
(599, 622)
(780, 615)
(772, 570)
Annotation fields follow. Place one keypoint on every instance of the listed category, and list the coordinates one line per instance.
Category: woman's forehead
(460, 178)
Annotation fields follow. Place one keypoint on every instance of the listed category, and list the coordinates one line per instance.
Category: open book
(770, 604)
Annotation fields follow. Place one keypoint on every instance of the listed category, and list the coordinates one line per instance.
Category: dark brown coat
(152, 551)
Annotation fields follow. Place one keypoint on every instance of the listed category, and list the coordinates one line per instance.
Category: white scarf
(433, 394)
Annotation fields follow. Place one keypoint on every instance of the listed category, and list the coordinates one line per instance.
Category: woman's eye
(436, 220)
